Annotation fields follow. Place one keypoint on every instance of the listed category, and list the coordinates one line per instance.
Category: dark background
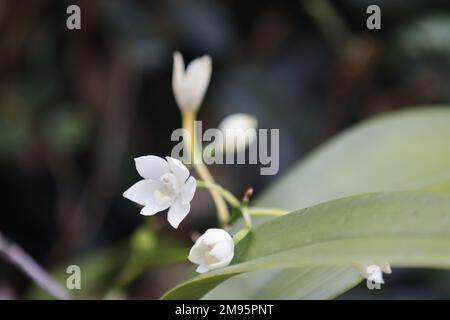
(77, 106)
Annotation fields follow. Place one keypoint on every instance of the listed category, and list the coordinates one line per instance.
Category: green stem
(227, 195)
(246, 216)
(267, 212)
(247, 212)
(201, 168)
(241, 234)
(232, 200)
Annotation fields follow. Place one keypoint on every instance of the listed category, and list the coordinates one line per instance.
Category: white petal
(151, 167)
(189, 86)
(151, 208)
(202, 269)
(197, 77)
(188, 190)
(220, 264)
(178, 169)
(141, 192)
(373, 273)
(376, 277)
(178, 82)
(214, 235)
(386, 267)
(223, 250)
(177, 213)
(196, 254)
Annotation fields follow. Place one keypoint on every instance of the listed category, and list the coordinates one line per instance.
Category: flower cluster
(167, 183)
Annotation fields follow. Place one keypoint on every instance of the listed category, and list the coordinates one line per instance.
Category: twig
(18, 257)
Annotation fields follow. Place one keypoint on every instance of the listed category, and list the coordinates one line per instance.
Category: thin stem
(267, 212)
(227, 195)
(13, 253)
(241, 234)
(247, 217)
(200, 167)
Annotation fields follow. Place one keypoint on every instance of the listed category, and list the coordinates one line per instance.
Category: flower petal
(188, 190)
(223, 250)
(215, 235)
(141, 192)
(178, 169)
(195, 254)
(220, 264)
(197, 77)
(376, 277)
(151, 167)
(151, 208)
(385, 267)
(177, 213)
(202, 269)
(373, 273)
(178, 80)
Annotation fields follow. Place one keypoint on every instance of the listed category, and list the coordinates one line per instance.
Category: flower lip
(171, 183)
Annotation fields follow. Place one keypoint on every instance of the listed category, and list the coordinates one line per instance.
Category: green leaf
(396, 151)
(408, 229)
(294, 283)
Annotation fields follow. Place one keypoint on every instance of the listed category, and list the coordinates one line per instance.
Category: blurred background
(76, 106)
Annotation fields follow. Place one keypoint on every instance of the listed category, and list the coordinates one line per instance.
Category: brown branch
(13, 253)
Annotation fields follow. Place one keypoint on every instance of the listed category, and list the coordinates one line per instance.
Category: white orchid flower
(189, 86)
(166, 184)
(214, 249)
(238, 131)
(374, 272)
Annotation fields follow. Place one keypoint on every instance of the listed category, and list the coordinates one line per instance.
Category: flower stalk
(235, 203)
(271, 212)
(201, 168)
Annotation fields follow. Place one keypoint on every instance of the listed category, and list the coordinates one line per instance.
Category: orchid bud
(238, 130)
(212, 250)
(189, 86)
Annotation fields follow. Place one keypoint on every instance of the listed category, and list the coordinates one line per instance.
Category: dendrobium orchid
(189, 86)
(212, 250)
(166, 184)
